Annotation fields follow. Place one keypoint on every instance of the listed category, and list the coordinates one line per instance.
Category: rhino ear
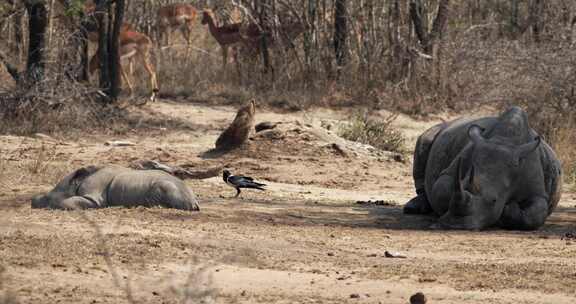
(81, 174)
(523, 150)
(475, 134)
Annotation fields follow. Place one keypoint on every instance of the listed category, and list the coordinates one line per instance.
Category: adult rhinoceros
(492, 171)
(95, 187)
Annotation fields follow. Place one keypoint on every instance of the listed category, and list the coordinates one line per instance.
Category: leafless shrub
(40, 162)
(44, 166)
(50, 108)
(378, 133)
(198, 288)
(105, 253)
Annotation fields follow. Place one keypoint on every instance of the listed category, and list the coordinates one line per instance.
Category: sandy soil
(305, 240)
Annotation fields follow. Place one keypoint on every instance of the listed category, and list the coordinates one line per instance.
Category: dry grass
(3, 170)
(6, 296)
(564, 140)
(198, 287)
(377, 133)
(45, 166)
(52, 107)
(37, 166)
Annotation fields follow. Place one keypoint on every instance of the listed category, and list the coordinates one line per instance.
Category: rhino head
(486, 180)
(66, 188)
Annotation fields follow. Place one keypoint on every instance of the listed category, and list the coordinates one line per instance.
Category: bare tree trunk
(114, 51)
(428, 40)
(83, 48)
(310, 38)
(340, 33)
(439, 24)
(37, 23)
(18, 33)
(537, 11)
(262, 9)
(417, 22)
(102, 53)
(514, 14)
(399, 62)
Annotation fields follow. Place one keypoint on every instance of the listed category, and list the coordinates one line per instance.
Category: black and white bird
(239, 181)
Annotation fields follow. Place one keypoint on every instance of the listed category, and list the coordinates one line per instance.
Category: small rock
(355, 296)
(418, 298)
(155, 293)
(243, 293)
(377, 203)
(266, 125)
(394, 255)
(330, 254)
(338, 149)
(118, 143)
(385, 203)
(399, 158)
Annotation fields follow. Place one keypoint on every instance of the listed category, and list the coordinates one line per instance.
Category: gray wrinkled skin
(97, 187)
(492, 171)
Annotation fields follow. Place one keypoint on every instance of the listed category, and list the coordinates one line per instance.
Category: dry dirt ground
(305, 240)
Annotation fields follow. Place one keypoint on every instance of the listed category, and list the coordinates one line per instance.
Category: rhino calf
(492, 171)
(97, 187)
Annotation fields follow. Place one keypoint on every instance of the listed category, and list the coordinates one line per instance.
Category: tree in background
(340, 33)
(109, 19)
(37, 23)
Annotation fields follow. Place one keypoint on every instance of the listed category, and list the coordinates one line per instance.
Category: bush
(380, 134)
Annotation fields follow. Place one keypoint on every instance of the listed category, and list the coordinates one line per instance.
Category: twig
(101, 244)
(12, 70)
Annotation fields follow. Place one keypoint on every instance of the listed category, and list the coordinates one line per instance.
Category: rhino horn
(475, 134)
(465, 179)
(525, 149)
(461, 197)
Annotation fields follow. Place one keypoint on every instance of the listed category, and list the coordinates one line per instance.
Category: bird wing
(243, 181)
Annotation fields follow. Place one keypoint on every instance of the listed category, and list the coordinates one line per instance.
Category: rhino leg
(420, 204)
(175, 196)
(75, 202)
(528, 215)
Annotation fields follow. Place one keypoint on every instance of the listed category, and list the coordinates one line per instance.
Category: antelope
(133, 46)
(248, 35)
(226, 35)
(176, 16)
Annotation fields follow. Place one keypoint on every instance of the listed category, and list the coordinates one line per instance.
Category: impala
(133, 46)
(248, 36)
(179, 16)
(226, 35)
